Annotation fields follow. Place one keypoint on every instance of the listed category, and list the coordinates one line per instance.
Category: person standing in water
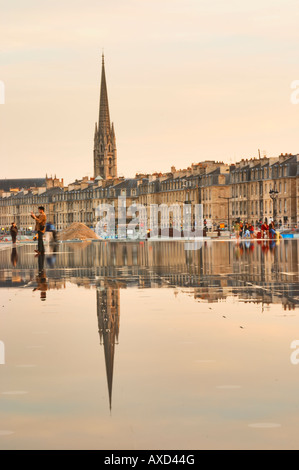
(40, 228)
(14, 232)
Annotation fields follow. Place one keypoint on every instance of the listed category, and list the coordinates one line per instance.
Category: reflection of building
(256, 270)
(259, 271)
(108, 312)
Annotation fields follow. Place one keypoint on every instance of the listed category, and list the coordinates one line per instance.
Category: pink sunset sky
(188, 80)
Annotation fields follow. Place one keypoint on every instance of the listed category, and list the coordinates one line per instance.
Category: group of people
(268, 230)
(246, 230)
(41, 226)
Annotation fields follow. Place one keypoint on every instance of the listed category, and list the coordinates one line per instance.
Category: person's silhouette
(41, 278)
(14, 257)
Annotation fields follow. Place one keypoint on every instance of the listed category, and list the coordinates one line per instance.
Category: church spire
(104, 117)
(105, 153)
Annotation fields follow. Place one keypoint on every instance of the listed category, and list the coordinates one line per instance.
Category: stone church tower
(105, 154)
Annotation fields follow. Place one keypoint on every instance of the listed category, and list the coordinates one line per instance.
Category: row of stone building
(249, 190)
(241, 191)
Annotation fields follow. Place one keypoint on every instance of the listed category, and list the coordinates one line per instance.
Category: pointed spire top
(103, 58)
(104, 117)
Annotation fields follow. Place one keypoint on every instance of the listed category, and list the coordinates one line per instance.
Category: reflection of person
(272, 245)
(40, 227)
(51, 259)
(41, 278)
(13, 232)
(14, 257)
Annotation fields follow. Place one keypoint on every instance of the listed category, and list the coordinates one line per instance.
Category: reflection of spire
(108, 321)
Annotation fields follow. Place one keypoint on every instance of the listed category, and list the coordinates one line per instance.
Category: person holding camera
(40, 228)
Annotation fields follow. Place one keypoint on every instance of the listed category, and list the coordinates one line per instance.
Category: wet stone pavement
(150, 345)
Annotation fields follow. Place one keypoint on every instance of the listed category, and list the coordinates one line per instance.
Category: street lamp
(273, 195)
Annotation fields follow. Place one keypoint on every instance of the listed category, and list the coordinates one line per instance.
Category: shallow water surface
(150, 346)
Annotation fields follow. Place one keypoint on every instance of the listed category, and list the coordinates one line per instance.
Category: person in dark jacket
(14, 232)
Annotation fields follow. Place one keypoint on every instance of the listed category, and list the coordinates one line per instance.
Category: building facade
(254, 181)
(249, 190)
(227, 194)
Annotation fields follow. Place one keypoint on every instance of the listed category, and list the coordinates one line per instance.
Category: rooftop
(22, 183)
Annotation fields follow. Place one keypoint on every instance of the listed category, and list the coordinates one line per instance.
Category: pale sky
(188, 80)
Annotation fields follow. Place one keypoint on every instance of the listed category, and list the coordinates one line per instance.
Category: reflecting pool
(150, 345)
